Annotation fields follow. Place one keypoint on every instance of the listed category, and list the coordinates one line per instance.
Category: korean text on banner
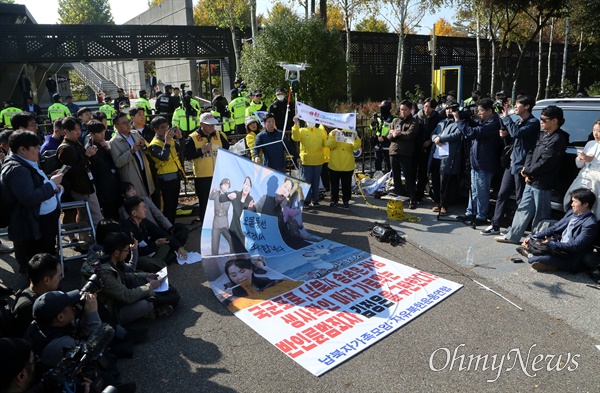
(344, 121)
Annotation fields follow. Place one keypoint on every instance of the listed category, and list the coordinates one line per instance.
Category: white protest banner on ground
(345, 121)
(318, 301)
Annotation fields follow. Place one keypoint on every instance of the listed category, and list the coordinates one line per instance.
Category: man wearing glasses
(540, 172)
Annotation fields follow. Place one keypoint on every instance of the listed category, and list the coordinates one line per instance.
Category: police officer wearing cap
(143, 103)
(8, 112)
(166, 103)
(237, 108)
(186, 116)
(256, 104)
(380, 126)
(121, 101)
(219, 103)
(58, 109)
(108, 110)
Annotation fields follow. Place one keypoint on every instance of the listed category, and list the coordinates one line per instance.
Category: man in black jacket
(540, 173)
(428, 118)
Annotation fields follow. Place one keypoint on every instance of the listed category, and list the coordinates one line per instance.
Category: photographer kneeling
(131, 303)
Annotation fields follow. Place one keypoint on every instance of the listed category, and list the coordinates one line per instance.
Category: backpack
(49, 161)
(386, 234)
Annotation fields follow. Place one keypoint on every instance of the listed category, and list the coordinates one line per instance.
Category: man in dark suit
(32, 107)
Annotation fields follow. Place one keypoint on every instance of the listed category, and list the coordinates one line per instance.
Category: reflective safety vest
(172, 164)
(204, 166)
(7, 114)
(57, 110)
(109, 111)
(196, 105)
(145, 105)
(185, 123)
(226, 125)
(237, 107)
(253, 107)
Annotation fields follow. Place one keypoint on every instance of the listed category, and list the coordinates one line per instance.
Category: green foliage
(594, 89)
(78, 87)
(7, 1)
(415, 95)
(280, 12)
(296, 41)
(73, 12)
(229, 14)
(154, 3)
(372, 24)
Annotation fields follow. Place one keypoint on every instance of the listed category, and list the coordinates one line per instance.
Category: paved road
(202, 347)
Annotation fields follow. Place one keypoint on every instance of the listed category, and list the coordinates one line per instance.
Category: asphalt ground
(202, 347)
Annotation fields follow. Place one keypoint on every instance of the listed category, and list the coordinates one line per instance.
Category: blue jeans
(312, 175)
(534, 204)
(480, 194)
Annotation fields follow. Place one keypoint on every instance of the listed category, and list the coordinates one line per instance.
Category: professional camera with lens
(80, 363)
(501, 100)
(464, 113)
(93, 285)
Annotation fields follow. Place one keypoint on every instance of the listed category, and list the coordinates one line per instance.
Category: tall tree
(78, 12)
(372, 24)
(312, 43)
(445, 29)
(349, 9)
(231, 14)
(280, 12)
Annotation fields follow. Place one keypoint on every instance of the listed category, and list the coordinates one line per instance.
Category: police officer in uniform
(143, 103)
(278, 109)
(185, 117)
(380, 126)
(237, 108)
(256, 104)
(166, 104)
(8, 112)
(108, 110)
(57, 109)
(118, 104)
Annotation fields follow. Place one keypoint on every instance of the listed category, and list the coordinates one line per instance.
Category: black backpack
(386, 234)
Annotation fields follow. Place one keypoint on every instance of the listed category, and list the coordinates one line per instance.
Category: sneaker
(542, 267)
(503, 239)
(315, 204)
(412, 205)
(4, 249)
(435, 208)
(523, 251)
(333, 204)
(490, 231)
(504, 232)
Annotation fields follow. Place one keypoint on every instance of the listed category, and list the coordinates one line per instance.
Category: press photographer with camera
(484, 156)
(60, 320)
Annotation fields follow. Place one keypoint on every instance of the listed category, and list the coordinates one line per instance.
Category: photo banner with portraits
(318, 301)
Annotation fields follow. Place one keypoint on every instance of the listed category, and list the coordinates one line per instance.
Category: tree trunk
(312, 7)
(563, 75)
(235, 51)
(399, 66)
(323, 9)
(348, 60)
(253, 19)
(579, 66)
(538, 95)
(549, 59)
(493, 72)
(479, 58)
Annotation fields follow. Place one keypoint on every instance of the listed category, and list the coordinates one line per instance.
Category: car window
(578, 123)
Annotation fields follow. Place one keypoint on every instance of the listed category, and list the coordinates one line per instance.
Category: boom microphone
(98, 341)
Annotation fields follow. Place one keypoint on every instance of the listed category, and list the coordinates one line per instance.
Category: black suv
(580, 115)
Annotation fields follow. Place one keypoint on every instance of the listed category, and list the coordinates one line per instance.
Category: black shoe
(465, 217)
(523, 251)
(346, 205)
(478, 222)
(333, 204)
(412, 205)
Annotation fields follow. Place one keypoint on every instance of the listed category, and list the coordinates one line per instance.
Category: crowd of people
(127, 163)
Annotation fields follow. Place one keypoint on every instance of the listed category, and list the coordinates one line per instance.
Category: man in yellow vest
(185, 117)
(201, 147)
(163, 150)
(8, 112)
(237, 107)
(256, 104)
(108, 110)
(143, 103)
(57, 109)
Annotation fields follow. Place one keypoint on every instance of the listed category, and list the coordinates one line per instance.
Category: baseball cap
(120, 90)
(249, 120)
(15, 356)
(107, 98)
(385, 103)
(8, 101)
(208, 118)
(257, 93)
(234, 92)
(142, 93)
(189, 93)
(50, 304)
(279, 90)
(56, 96)
(167, 87)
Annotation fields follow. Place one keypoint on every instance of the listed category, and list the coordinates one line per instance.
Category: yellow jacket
(172, 164)
(184, 122)
(57, 110)
(312, 140)
(7, 114)
(204, 166)
(342, 154)
(145, 105)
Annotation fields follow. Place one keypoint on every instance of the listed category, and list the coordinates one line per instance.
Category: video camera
(501, 100)
(78, 363)
(464, 113)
